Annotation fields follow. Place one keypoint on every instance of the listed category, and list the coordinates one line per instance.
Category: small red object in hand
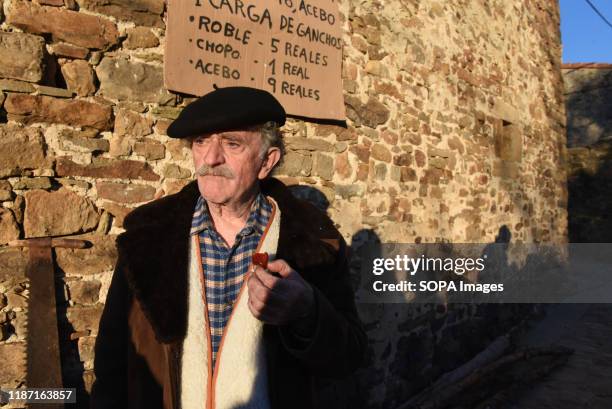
(261, 260)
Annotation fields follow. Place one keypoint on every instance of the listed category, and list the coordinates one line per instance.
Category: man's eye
(233, 144)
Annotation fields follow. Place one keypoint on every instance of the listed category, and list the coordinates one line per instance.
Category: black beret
(227, 108)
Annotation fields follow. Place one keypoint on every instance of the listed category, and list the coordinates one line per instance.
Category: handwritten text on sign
(291, 48)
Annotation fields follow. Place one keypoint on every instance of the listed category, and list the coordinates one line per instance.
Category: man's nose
(214, 154)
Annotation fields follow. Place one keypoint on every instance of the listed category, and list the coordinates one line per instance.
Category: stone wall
(456, 132)
(589, 134)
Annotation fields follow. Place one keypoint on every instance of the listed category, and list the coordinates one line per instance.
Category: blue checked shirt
(224, 268)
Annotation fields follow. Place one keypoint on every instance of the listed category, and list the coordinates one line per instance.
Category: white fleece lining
(194, 369)
(241, 379)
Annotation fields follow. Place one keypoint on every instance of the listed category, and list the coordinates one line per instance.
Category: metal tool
(44, 368)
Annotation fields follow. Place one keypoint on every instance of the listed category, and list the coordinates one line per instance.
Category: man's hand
(279, 300)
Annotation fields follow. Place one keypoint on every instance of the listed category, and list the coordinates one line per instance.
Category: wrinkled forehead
(251, 137)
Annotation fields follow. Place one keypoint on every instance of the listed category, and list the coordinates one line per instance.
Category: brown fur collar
(154, 250)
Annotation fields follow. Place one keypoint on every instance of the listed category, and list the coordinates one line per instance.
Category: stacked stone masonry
(455, 129)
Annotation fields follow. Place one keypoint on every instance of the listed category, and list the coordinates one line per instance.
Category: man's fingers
(256, 288)
(266, 278)
(261, 292)
(281, 267)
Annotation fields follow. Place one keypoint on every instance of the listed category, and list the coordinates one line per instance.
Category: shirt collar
(202, 220)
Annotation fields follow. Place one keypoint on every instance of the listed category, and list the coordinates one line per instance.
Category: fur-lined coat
(152, 350)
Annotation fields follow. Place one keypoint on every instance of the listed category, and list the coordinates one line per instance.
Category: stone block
(377, 68)
(78, 143)
(9, 230)
(105, 168)
(84, 291)
(55, 3)
(120, 146)
(123, 80)
(20, 149)
(362, 152)
(32, 183)
(371, 114)
(142, 12)
(161, 126)
(22, 56)
(179, 149)
(86, 349)
(58, 213)
(80, 29)
(438, 162)
(407, 174)
(13, 358)
(31, 108)
(6, 191)
(294, 164)
(380, 171)
(79, 77)
(125, 193)
(19, 208)
(69, 50)
(455, 143)
(85, 318)
(346, 134)
(53, 91)
(15, 300)
(403, 159)
(150, 149)
(348, 191)
(140, 37)
(502, 109)
(176, 172)
(85, 133)
(380, 152)
(166, 112)
(432, 176)
(13, 264)
(324, 166)
(420, 158)
(443, 153)
(16, 86)
(6, 195)
(343, 167)
(309, 144)
(98, 258)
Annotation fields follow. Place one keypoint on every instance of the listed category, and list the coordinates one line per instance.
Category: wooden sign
(290, 48)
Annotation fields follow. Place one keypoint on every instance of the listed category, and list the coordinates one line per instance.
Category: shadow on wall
(589, 127)
(330, 393)
(588, 96)
(589, 185)
(411, 346)
(72, 366)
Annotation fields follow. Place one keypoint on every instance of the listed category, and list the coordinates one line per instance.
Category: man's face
(232, 165)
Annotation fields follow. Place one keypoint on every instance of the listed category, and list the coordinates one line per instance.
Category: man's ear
(270, 160)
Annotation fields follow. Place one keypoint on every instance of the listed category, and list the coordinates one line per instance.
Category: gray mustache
(206, 170)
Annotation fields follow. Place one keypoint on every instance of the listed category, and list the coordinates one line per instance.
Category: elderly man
(190, 321)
